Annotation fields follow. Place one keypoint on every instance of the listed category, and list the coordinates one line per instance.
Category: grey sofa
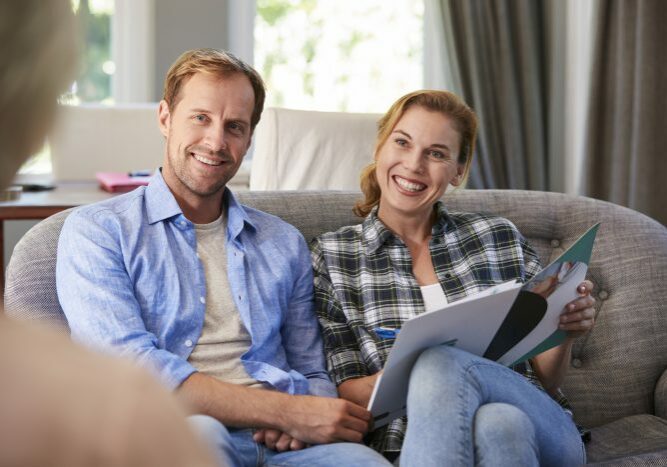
(617, 382)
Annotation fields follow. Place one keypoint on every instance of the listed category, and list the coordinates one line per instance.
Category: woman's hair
(38, 54)
(216, 62)
(447, 103)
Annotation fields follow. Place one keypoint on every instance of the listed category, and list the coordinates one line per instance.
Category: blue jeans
(465, 410)
(235, 447)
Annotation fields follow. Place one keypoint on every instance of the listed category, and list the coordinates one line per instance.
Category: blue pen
(386, 333)
(140, 173)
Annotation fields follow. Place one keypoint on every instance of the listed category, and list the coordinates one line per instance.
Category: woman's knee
(503, 423)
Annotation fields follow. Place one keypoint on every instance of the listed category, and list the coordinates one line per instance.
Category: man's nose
(216, 138)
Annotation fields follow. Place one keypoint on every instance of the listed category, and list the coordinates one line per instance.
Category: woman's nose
(414, 161)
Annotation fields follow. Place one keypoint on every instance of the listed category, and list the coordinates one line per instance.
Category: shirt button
(188, 343)
(240, 297)
(555, 243)
(603, 295)
(202, 299)
(576, 363)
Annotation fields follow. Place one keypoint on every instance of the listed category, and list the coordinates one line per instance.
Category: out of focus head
(38, 56)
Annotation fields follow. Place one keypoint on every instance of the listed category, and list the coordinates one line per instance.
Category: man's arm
(310, 419)
(97, 297)
(300, 330)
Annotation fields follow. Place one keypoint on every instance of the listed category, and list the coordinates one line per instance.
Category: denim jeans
(464, 410)
(236, 448)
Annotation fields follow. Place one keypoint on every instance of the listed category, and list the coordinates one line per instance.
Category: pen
(386, 333)
(140, 173)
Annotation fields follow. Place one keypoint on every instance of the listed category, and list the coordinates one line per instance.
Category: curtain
(626, 159)
(497, 58)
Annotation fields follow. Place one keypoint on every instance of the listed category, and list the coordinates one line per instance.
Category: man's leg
(231, 449)
(329, 455)
(448, 386)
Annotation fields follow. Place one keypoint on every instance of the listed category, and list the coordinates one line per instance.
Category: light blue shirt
(129, 282)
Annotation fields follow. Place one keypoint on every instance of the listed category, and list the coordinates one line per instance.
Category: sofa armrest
(661, 396)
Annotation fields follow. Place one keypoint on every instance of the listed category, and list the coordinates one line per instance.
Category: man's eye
(237, 127)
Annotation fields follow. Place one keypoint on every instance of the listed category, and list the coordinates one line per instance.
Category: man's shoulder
(127, 206)
(270, 224)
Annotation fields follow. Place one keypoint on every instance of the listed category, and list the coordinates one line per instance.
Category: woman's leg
(504, 435)
(447, 388)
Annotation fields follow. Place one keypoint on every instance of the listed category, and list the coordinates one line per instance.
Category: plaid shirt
(364, 280)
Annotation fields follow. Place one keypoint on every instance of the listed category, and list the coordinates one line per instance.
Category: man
(215, 297)
(61, 405)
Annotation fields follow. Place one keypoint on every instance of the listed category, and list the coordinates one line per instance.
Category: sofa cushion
(640, 438)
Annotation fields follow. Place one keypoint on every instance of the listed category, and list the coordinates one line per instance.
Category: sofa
(617, 382)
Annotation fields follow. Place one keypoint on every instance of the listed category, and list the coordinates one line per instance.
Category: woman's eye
(401, 142)
(436, 155)
(200, 118)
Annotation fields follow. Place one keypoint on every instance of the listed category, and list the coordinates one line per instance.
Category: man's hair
(447, 103)
(38, 55)
(216, 62)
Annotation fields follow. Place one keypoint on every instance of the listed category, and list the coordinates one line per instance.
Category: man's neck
(201, 210)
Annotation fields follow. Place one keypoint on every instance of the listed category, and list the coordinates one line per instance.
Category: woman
(411, 255)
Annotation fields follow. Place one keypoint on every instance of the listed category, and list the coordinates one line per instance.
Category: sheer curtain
(496, 55)
(627, 127)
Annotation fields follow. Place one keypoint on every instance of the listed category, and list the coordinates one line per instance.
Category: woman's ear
(458, 178)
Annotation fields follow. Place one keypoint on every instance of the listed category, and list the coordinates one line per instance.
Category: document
(508, 323)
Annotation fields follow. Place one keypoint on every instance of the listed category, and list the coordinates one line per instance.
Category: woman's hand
(579, 315)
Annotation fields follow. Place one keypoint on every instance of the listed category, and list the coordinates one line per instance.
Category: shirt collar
(160, 202)
(374, 233)
(161, 205)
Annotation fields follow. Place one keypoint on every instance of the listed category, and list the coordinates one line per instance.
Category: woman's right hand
(358, 390)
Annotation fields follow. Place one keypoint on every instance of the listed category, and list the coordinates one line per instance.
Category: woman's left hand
(579, 315)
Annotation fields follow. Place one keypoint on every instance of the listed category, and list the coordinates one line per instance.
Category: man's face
(208, 133)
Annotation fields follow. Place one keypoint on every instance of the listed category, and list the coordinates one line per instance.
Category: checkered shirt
(364, 280)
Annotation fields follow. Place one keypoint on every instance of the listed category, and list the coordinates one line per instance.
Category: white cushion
(96, 138)
(308, 150)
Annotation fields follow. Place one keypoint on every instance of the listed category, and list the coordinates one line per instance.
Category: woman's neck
(412, 229)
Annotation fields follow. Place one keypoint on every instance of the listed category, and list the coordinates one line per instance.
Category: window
(96, 67)
(347, 55)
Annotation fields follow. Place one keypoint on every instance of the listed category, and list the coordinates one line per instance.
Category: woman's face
(417, 163)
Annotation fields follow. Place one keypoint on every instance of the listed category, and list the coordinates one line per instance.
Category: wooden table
(43, 204)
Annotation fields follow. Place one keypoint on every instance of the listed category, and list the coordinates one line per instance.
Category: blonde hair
(38, 56)
(445, 102)
(215, 62)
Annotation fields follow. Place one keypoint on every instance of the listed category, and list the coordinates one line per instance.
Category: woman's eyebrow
(403, 133)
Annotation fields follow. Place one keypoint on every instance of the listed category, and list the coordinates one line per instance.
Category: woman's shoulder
(347, 235)
(481, 223)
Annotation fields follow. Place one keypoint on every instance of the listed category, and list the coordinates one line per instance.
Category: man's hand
(277, 440)
(320, 420)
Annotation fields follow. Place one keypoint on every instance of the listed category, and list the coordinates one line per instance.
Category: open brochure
(509, 323)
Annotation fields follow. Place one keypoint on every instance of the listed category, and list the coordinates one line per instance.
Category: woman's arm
(577, 319)
(358, 390)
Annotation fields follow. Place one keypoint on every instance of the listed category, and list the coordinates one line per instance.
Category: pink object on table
(115, 182)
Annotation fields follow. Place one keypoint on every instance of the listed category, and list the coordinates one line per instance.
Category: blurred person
(411, 255)
(61, 405)
(215, 297)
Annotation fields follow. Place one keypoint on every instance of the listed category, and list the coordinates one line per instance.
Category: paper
(510, 323)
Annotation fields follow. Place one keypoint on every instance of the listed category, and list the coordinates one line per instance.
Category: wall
(181, 26)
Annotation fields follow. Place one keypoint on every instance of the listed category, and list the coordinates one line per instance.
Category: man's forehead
(199, 87)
